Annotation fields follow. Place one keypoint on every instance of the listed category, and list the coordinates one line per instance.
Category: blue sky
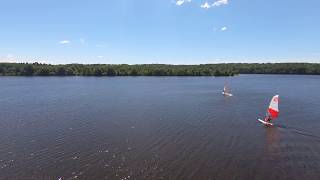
(159, 31)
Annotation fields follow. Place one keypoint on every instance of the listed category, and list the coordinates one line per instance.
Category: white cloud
(65, 42)
(224, 28)
(180, 2)
(206, 5)
(220, 3)
(9, 58)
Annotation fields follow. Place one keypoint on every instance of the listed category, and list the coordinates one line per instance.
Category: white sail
(274, 106)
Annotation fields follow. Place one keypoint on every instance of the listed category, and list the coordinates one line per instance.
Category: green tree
(111, 72)
(27, 70)
(61, 71)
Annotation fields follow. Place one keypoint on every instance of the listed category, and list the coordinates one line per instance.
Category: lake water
(158, 128)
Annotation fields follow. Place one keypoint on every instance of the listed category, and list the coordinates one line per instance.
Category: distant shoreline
(229, 69)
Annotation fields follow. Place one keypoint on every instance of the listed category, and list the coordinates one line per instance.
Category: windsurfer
(272, 112)
(268, 119)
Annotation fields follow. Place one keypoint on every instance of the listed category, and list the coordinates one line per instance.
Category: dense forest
(38, 69)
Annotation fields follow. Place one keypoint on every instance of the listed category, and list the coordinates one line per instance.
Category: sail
(274, 107)
(226, 89)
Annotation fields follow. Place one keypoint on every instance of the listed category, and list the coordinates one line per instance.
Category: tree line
(38, 69)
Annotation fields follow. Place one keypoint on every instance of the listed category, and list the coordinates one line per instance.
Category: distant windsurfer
(226, 92)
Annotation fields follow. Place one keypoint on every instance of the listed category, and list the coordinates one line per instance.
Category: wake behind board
(265, 123)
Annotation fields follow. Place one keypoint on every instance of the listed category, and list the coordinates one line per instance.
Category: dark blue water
(158, 128)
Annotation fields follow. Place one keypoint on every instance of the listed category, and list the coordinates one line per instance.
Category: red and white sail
(274, 107)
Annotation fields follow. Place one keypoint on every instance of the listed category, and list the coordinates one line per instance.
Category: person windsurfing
(226, 91)
(268, 118)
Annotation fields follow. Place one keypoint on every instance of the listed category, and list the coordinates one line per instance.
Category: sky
(159, 31)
